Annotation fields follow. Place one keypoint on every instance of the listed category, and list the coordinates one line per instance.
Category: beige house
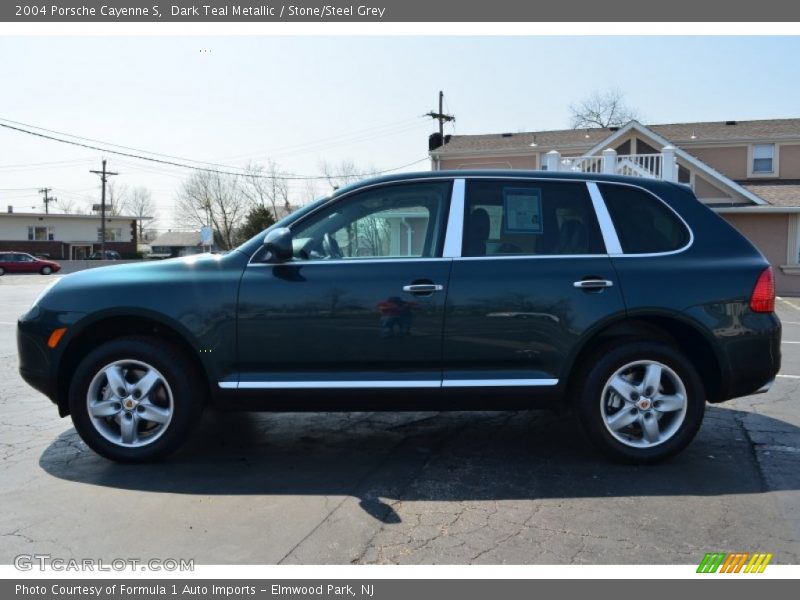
(747, 171)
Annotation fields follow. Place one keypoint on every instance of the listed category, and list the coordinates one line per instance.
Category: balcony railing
(652, 166)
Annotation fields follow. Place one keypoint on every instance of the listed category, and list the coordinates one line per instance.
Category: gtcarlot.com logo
(734, 562)
(42, 562)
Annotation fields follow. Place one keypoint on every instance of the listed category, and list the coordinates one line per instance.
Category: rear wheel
(46, 270)
(641, 401)
(135, 399)
(2, 271)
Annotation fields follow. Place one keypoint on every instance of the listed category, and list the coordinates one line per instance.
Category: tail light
(762, 299)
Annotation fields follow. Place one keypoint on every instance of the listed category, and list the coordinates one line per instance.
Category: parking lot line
(790, 376)
(792, 304)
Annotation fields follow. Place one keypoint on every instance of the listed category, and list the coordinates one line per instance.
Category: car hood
(117, 284)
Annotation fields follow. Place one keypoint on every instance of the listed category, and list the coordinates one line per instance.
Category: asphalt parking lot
(489, 487)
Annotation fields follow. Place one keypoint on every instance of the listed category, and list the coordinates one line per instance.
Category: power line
(292, 149)
(289, 177)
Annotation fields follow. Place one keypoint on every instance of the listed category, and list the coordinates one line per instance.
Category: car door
(533, 277)
(361, 303)
(26, 263)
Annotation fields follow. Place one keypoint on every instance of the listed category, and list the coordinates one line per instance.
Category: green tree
(256, 221)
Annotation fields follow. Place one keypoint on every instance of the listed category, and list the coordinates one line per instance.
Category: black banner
(400, 11)
(388, 589)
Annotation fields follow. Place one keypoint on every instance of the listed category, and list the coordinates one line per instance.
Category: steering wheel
(331, 247)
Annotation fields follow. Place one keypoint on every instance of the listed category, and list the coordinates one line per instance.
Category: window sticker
(522, 210)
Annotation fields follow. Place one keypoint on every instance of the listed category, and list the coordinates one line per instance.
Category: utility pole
(47, 199)
(103, 177)
(441, 116)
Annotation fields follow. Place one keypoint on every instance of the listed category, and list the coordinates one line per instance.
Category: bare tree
(602, 109)
(266, 187)
(344, 173)
(116, 196)
(310, 192)
(139, 203)
(216, 199)
(69, 206)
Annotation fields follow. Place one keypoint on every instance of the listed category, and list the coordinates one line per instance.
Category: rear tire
(640, 402)
(136, 399)
(2, 271)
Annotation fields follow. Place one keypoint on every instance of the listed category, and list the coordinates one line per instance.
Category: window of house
(763, 158)
(39, 233)
(113, 234)
(644, 224)
(529, 218)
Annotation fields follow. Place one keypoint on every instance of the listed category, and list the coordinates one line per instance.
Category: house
(66, 237)
(177, 243)
(747, 171)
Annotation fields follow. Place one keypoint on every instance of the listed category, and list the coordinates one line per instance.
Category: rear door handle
(593, 284)
(423, 288)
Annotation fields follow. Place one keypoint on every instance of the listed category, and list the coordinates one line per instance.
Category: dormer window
(763, 159)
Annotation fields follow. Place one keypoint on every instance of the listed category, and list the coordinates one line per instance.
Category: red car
(21, 262)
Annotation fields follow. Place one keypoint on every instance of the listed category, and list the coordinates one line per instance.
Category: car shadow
(433, 457)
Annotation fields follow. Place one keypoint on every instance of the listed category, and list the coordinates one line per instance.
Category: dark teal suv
(626, 299)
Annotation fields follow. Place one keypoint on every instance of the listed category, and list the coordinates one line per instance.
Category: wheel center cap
(644, 403)
(129, 403)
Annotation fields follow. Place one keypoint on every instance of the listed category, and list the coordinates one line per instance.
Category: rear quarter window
(644, 223)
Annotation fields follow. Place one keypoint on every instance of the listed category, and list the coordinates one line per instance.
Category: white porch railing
(652, 166)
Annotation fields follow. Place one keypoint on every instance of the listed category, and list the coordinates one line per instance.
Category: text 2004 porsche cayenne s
(625, 298)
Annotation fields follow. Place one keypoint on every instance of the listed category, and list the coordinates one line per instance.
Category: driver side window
(394, 221)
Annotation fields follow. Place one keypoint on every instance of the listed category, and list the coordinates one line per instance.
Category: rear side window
(644, 224)
(518, 217)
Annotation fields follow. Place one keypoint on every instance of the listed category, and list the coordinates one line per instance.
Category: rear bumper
(754, 356)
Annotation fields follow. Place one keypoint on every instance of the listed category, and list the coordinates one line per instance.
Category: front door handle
(593, 284)
(423, 288)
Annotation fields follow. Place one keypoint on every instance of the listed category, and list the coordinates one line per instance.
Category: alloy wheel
(130, 403)
(643, 404)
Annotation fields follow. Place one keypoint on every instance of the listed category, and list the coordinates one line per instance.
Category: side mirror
(278, 245)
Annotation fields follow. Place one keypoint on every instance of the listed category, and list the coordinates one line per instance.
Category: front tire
(641, 402)
(46, 270)
(135, 399)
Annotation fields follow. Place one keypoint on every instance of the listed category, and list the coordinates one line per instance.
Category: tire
(46, 270)
(2, 271)
(649, 425)
(162, 399)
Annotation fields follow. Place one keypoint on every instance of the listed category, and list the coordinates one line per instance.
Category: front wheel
(135, 399)
(47, 270)
(641, 401)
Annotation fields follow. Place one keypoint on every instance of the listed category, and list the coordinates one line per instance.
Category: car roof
(496, 173)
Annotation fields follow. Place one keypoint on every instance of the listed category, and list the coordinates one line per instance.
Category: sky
(303, 100)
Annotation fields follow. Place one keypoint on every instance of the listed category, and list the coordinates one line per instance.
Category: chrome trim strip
(604, 219)
(498, 382)
(352, 261)
(301, 385)
(529, 256)
(455, 221)
(314, 385)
